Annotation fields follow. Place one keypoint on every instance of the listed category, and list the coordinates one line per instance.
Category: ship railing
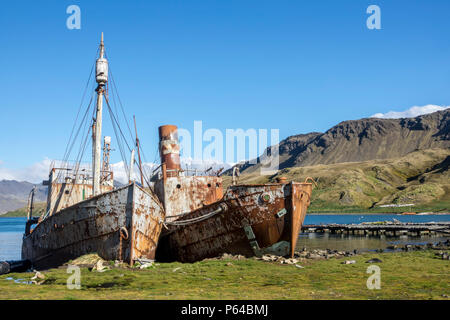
(156, 173)
(188, 173)
(72, 172)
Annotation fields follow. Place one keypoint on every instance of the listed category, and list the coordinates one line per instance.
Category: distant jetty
(377, 228)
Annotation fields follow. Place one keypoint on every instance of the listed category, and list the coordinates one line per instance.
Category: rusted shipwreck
(203, 222)
(85, 213)
(180, 216)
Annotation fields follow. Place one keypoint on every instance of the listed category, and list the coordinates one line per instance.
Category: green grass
(412, 275)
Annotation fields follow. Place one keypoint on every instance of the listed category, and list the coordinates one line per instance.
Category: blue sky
(297, 66)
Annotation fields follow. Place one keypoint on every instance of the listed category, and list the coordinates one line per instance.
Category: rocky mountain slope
(363, 140)
(421, 178)
(14, 194)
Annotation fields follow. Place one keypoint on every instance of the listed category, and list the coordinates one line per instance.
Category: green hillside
(39, 208)
(421, 178)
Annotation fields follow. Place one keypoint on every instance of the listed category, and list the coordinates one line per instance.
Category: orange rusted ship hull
(249, 220)
(123, 224)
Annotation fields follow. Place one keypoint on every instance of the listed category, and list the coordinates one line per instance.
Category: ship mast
(101, 77)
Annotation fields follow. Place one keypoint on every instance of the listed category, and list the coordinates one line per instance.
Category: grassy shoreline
(404, 275)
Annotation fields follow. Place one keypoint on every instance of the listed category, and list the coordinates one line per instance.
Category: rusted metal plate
(147, 220)
(255, 206)
(94, 225)
(187, 193)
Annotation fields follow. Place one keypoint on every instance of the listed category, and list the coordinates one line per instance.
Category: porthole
(266, 197)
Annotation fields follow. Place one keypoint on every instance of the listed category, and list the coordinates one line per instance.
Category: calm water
(11, 231)
(344, 242)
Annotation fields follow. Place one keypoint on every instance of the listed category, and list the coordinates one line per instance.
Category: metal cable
(194, 220)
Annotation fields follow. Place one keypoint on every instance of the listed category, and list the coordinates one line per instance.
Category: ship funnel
(169, 149)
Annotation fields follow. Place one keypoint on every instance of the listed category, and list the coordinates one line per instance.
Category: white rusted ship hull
(123, 224)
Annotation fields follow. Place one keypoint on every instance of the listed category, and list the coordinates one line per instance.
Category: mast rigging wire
(120, 136)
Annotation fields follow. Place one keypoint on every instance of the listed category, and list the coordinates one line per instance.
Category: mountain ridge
(14, 194)
(421, 178)
(362, 140)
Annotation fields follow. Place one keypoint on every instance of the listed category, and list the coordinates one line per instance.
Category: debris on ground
(348, 262)
(144, 264)
(37, 276)
(443, 255)
(289, 261)
(147, 265)
(227, 256)
(275, 258)
(323, 254)
(99, 267)
(119, 264)
(87, 260)
(279, 259)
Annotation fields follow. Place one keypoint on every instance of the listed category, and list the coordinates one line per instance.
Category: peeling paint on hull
(123, 224)
(250, 218)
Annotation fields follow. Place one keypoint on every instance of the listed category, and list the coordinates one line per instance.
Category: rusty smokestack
(169, 149)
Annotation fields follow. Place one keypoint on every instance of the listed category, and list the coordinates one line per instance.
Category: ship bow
(300, 200)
